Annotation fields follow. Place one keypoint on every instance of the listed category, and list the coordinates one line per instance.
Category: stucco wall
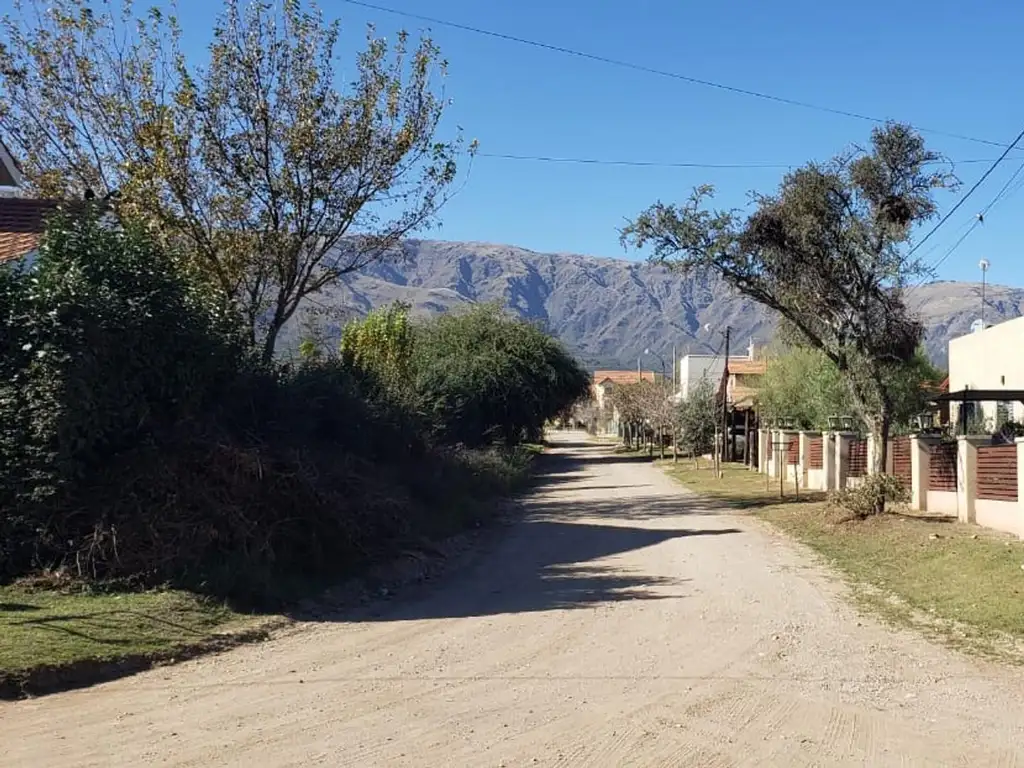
(1000, 515)
(989, 359)
(942, 502)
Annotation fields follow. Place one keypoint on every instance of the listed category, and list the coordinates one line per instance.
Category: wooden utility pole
(725, 391)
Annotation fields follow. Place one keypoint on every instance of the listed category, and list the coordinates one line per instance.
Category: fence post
(843, 442)
(920, 469)
(804, 467)
(1020, 480)
(966, 478)
(763, 449)
(828, 460)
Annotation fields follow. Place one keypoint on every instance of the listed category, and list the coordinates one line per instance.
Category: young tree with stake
(827, 252)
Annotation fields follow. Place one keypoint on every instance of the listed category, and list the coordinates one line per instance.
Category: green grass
(55, 635)
(44, 630)
(961, 582)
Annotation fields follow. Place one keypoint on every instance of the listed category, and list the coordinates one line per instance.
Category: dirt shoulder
(621, 622)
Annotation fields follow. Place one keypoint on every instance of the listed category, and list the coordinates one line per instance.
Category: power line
(662, 164)
(947, 254)
(1001, 195)
(630, 163)
(970, 192)
(652, 70)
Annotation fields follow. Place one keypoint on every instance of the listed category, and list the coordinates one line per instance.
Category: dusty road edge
(420, 565)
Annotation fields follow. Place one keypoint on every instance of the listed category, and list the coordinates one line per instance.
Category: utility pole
(639, 374)
(725, 390)
(674, 363)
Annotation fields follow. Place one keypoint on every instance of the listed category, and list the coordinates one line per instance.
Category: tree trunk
(675, 444)
(880, 427)
(270, 341)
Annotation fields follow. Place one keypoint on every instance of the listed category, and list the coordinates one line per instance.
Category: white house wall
(692, 368)
(989, 359)
(999, 515)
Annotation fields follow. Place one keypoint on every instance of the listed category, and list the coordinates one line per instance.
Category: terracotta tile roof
(622, 377)
(22, 221)
(749, 367)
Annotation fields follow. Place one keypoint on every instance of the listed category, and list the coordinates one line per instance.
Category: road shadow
(643, 508)
(562, 552)
(759, 502)
(544, 565)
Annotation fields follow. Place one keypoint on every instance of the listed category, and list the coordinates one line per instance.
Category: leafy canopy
(802, 384)
(484, 375)
(275, 180)
(827, 252)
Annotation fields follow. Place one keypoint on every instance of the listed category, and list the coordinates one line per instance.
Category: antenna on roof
(983, 265)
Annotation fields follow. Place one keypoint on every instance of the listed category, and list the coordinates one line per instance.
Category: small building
(602, 385)
(988, 360)
(694, 368)
(22, 219)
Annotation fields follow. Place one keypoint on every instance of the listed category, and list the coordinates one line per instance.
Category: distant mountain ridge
(608, 311)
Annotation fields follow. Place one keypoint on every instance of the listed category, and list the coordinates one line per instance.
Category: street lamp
(840, 423)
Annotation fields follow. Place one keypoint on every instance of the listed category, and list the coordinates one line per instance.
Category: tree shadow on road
(545, 565)
(563, 552)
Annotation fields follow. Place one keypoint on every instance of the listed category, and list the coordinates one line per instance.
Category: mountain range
(608, 311)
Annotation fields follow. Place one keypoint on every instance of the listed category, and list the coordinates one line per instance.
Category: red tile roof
(622, 377)
(749, 367)
(22, 221)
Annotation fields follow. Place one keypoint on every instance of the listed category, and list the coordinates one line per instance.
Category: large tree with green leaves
(698, 419)
(382, 344)
(275, 178)
(484, 375)
(803, 384)
(827, 252)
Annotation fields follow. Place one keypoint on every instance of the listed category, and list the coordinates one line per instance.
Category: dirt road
(622, 623)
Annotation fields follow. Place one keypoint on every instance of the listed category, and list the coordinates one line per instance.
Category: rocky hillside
(608, 310)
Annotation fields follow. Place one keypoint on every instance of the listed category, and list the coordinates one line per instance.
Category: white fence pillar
(966, 478)
(829, 445)
(842, 458)
(1020, 482)
(920, 469)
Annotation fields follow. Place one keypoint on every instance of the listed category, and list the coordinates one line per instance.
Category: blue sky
(950, 67)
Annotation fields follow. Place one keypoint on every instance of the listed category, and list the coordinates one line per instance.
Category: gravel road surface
(621, 622)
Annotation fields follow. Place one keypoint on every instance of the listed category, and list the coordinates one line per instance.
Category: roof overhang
(980, 396)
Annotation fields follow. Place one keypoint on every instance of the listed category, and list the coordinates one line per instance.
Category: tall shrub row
(140, 439)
